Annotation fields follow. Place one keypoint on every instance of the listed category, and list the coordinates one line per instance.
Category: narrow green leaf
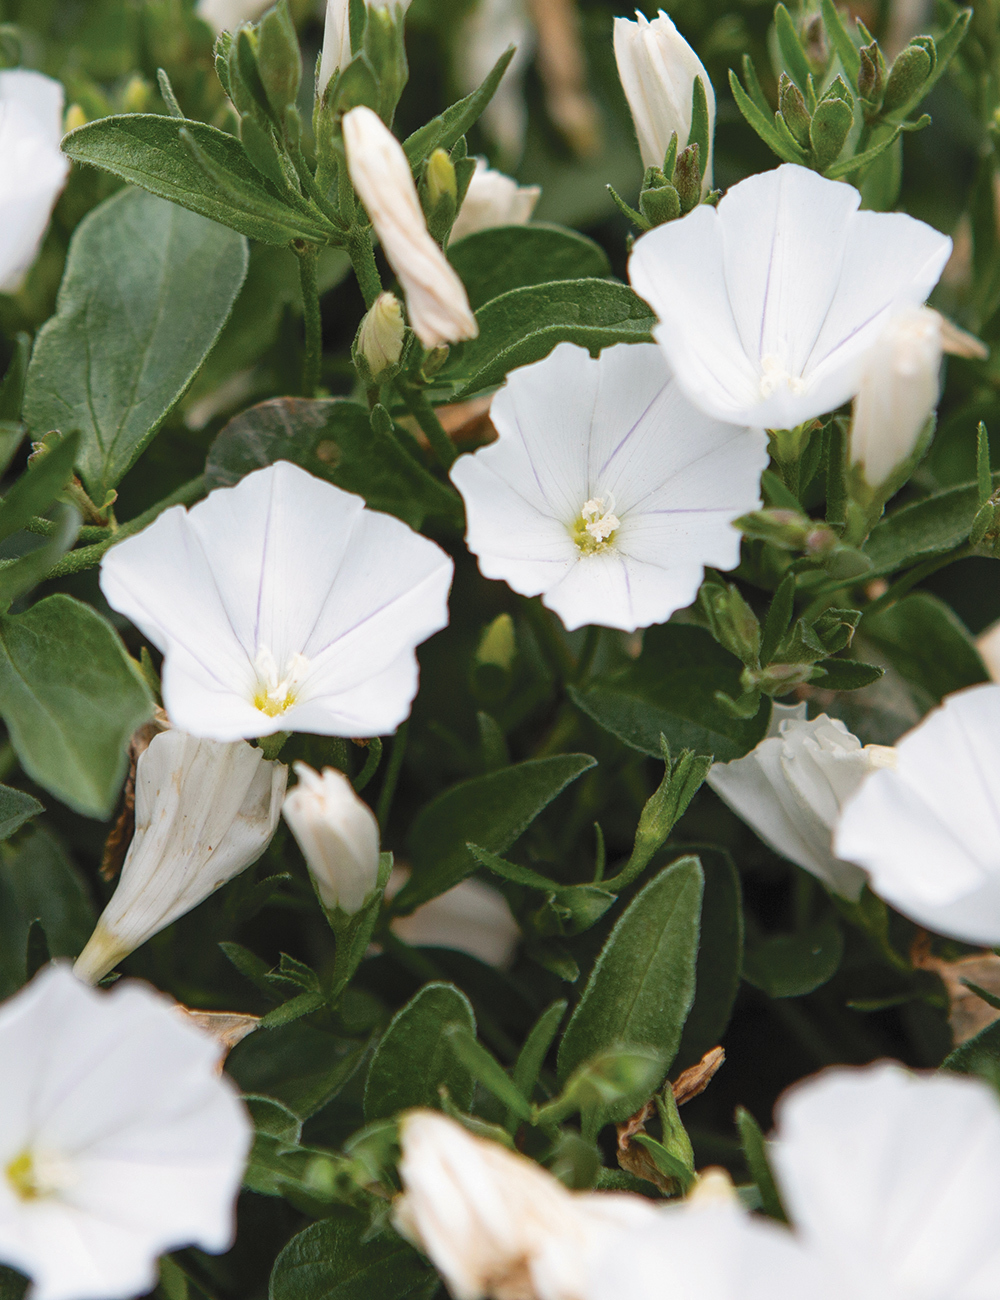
(847, 51)
(763, 124)
(416, 1056)
(487, 1070)
(39, 485)
(16, 808)
(12, 387)
(984, 478)
(536, 1047)
(443, 131)
(720, 955)
(794, 56)
(755, 1153)
(779, 618)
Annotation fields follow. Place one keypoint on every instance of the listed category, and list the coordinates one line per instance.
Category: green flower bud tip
(440, 179)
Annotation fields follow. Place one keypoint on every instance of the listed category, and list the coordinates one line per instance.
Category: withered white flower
(338, 835)
(33, 169)
(769, 303)
(120, 1138)
(495, 1223)
(791, 788)
(658, 70)
(204, 812)
(928, 833)
(898, 393)
(493, 199)
(607, 492)
(337, 35)
(436, 301)
(470, 917)
(282, 604)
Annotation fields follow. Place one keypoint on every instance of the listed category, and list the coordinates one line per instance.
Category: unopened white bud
(338, 835)
(204, 811)
(493, 199)
(657, 69)
(791, 788)
(337, 36)
(898, 393)
(227, 15)
(495, 1223)
(436, 301)
(380, 338)
(470, 917)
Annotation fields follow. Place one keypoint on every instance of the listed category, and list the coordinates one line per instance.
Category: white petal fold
(282, 604)
(769, 303)
(607, 493)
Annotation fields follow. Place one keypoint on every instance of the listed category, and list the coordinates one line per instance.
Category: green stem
(362, 255)
(312, 361)
(909, 580)
(48, 528)
(392, 772)
(422, 411)
(87, 556)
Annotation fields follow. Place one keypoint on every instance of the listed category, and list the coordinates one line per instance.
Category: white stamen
(777, 376)
(276, 690)
(599, 523)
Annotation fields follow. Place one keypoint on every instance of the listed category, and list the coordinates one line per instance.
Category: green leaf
(642, 985)
(671, 689)
(337, 1259)
(38, 486)
(755, 1153)
(847, 674)
(926, 641)
(720, 955)
(484, 1067)
(147, 289)
(524, 325)
(924, 529)
(38, 882)
(302, 1067)
(492, 811)
(492, 262)
(21, 575)
(764, 125)
(71, 698)
(416, 1057)
(838, 33)
(536, 1046)
(444, 131)
(16, 808)
(333, 439)
(148, 151)
(12, 1285)
(979, 1056)
(792, 53)
(791, 965)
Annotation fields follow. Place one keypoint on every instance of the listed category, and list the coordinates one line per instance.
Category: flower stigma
(276, 691)
(776, 376)
(35, 1175)
(595, 526)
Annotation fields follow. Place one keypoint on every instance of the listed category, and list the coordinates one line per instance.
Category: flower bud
(493, 199)
(204, 811)
(338, 835)
(380, 339)
(439, 193)
(793, 110)
(897, 394)
(791, 788)
(226, 15)
(337, 37)
(278, 57)
(910, 70)
(829, 128)
(658, 68)
(495, 1223)
(470, 917)
(436, 301)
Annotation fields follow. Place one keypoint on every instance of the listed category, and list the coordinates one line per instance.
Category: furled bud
(793, 109)
(436, 301)
(278, 57)
(493, 199)
(338, 835)
(439, 193)
(337, 36)
(494, 1222)
(379, 344)
(658, 68)
(204, 811)
(871, 75)
(909, 71)
(898, 393)
(829, 128)
(791, 788)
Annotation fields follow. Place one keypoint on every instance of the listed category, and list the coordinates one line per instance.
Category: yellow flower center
(34, 1175)
(277, 690)
(595, 527)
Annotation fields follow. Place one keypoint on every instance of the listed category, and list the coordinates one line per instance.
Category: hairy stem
(308, 256)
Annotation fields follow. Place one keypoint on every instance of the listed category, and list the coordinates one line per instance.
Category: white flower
(490, 29)
(381, 335)
(204, 812)
(436, 300)
(337, 36)
(791, 787)
(120, 1139)
(607, 492)
(928, 833)
(658, 70)
(338, 835)
(495, 1223)
(769, 303)
(470, 917)
(32, 168)
(227, 15)
(892, 1181)
(493, 199)
(898, 393)
(282, 604)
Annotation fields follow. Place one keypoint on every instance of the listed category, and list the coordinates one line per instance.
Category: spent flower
(282, 604)
(607, 493)
(338, 835)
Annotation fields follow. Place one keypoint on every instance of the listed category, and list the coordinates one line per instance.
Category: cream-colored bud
(436, 301)
(495, 1223)
(338, 835)
(380, 338)
(493, 199)
(337, 36)
(657, 69)
(204, 811)
(898, 393)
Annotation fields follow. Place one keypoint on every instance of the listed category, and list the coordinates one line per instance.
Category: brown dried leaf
(968, 1013)
(693, 1081)
(227, 1027)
